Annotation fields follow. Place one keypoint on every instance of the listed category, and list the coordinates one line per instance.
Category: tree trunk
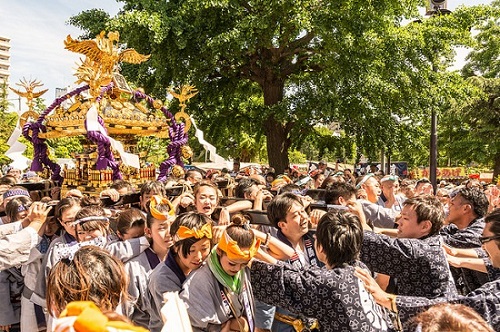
(276, 132)
(496, 168)
(277, 145)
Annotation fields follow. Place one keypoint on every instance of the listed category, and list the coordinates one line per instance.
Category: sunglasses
(485, 239)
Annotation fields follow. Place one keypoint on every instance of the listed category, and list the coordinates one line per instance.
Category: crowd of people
(337, 251)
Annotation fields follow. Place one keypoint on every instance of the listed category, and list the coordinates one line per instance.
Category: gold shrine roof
(120, 118)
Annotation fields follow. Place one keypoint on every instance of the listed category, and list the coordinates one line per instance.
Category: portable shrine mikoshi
(111, 117)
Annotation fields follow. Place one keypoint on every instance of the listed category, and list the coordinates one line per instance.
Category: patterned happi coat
(485, 300)
(335, 297)
(310, 258)
(466, 280)
(419, 265)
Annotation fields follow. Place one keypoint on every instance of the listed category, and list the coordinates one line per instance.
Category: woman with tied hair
(10, 194)
(218, 295)
(205, 199)
(32, 317)
(159, 218)
(139, 267)
(17, 208)
(64, 213)
(192, 233)
(318, 178)
(90, 223)
(93, 274)
(130, 224)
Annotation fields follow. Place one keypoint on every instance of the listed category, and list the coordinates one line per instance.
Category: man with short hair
(322, 166)
(465, 222)
(374, 169)
(378, 215)
(415, 258)
(15, 173)
(466, 210)
(286, 212)
(325, 169)
(193, 177)
(389, 198)
(485, 300)
(251, 189)
(424, 187)
(236, 168)
(332, 294)
(340, 193)
(370, 185)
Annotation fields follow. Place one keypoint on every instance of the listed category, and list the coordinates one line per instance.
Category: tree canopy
(472, 126)
(279, 68)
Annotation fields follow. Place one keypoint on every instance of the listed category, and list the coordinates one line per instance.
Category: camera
(53, 204)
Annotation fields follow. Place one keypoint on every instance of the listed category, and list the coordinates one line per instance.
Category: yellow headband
(90, 319)
(281, 181)
(157, 199)
(185, 232)
(233, 251)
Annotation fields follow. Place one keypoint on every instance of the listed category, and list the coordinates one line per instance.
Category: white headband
(364, 179)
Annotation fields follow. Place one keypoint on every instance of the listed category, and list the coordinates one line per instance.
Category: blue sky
(37, 29)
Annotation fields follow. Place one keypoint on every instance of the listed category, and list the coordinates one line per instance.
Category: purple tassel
(41, 157)
(177, 139)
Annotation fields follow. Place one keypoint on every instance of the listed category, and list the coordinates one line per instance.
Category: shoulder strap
(233, 310)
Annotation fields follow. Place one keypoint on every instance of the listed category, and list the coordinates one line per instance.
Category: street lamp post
(433, 150)
(435, 7)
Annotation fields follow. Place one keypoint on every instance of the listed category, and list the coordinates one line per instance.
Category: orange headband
(157, 199)
(89, 318)
(233, 251)
(185, 232)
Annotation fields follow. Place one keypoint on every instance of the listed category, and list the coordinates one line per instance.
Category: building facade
(4, 59)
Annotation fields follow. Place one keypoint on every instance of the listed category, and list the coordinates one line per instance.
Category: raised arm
(275, 247)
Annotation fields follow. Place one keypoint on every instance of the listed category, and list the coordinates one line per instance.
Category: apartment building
(4, 59)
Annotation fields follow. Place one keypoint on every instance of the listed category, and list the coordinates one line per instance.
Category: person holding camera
(18, 238)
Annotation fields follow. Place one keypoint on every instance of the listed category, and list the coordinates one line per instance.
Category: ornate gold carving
(102, 55)
(178, 171)
(157, 104)
(183, 116)
(26, 116)
(186, 152)
(185, 93)
(29, 93)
